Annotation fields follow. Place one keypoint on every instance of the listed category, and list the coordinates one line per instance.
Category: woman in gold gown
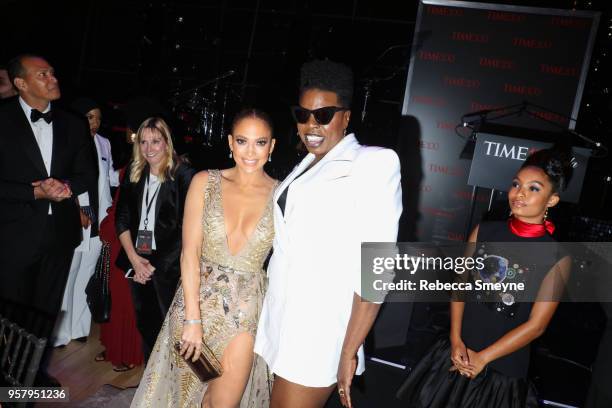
(227, 234)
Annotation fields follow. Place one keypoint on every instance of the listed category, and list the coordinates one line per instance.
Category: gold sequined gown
(232, 289)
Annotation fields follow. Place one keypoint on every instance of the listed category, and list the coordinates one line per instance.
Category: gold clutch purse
(207, 367)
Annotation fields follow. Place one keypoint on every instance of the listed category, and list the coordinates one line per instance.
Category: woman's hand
(143, 270)
(346, 372)
(477, 363)
(459, 355)
(191, 341)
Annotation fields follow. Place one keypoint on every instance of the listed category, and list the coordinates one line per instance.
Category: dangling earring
(510, 214)
(545, 215)
(230, 155)
(344, 132)
(270, 157)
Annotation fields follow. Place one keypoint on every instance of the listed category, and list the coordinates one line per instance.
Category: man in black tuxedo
(46, 159)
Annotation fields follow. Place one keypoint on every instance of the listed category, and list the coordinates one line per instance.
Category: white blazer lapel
(337, 163)
(336, 169)
(299, 169)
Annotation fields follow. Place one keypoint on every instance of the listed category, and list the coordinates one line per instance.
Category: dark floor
(558, 380)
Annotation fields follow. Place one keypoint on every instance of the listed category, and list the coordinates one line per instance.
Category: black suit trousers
(151, 303)
(38, 303)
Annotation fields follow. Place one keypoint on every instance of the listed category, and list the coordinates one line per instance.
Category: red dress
(119, 336)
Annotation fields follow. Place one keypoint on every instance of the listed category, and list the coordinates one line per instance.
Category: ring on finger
(341, 392)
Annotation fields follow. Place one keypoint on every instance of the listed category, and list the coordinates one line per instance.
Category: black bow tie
(36, 115)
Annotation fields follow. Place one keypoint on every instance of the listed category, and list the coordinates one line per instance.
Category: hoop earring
(270, 157)
(230, 155)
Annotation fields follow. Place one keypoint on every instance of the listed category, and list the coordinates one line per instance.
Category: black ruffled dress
(503, 383)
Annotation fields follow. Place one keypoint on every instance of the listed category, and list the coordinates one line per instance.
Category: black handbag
(98, 290)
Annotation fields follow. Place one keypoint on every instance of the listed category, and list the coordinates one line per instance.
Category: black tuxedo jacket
(169, 209)
(21, 216)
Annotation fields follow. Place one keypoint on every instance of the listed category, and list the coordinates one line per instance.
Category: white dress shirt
(107, 177)
(43, 133)
(352, 195)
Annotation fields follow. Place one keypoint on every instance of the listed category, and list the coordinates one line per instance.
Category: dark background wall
(117, 50)
(475, 58)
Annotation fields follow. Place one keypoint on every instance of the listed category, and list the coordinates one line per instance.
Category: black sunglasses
(322, 115)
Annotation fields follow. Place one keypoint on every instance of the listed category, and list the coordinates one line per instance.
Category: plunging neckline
(250, 236)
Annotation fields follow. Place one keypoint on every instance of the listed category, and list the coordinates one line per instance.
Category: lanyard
(146, 220)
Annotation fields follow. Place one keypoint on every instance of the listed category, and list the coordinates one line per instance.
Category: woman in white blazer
(314, 322)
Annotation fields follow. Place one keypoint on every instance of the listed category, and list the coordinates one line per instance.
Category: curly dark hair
(556, 163)
(329, 76)
(255, 114)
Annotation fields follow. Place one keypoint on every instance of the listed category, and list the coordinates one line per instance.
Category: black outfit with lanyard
(164, 206)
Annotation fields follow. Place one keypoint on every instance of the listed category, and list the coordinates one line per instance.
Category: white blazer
(107, 177)
(352, 195)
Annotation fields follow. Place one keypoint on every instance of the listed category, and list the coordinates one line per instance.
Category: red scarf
(527, 230)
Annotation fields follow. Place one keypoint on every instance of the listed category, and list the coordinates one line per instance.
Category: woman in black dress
(484, 363)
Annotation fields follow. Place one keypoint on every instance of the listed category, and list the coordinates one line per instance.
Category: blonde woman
(149, 225)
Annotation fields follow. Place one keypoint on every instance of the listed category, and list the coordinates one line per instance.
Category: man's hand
(51, 189)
